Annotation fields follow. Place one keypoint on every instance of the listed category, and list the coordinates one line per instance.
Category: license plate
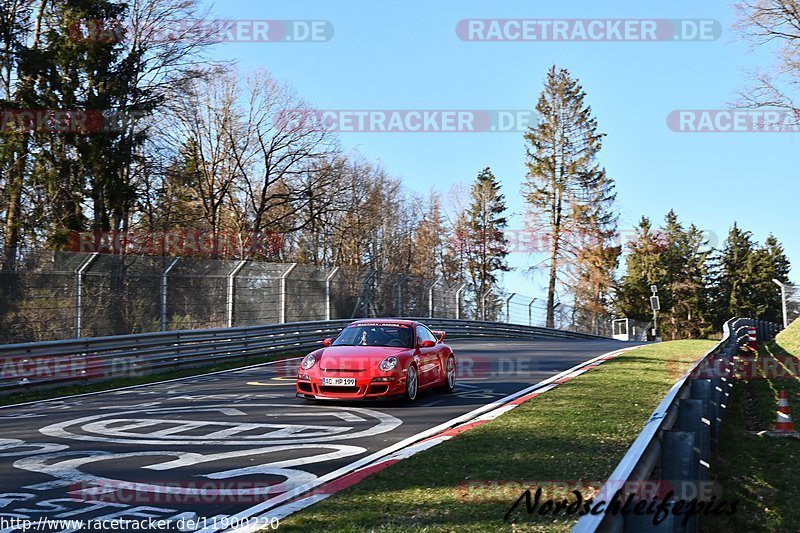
(339, 382)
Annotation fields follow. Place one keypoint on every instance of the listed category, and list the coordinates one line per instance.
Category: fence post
(458, 300)
(399, 295)
(328, 279)
(508, 307)
(530, 313)
(78, 289)
(430, 296)
(486, 293)
(231, 282)
(164, 293)
(285, 275)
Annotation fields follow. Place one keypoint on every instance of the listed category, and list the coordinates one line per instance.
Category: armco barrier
(677, 440)
(43, 364)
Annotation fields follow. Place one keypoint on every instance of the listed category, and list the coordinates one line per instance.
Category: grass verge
(116, 383)
(578, 431)
(758, 470)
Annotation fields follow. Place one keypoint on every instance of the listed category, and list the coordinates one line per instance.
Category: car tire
(450, 375)
(412, 384)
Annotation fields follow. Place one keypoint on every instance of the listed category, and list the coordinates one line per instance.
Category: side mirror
(427, 344)
(327, 342)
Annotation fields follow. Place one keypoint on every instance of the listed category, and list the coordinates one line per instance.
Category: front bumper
(366, 388)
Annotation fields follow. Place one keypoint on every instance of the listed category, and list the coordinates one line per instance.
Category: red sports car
(378, 358)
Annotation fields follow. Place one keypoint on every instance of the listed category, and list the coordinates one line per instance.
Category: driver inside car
(370, 338)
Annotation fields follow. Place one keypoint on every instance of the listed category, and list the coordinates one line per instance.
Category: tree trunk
(551, 288)
(13, 208)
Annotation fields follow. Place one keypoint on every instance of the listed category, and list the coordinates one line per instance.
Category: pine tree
(766, 263)
(19, 43)
(683, 296)
(487, 246)
(568, 195)
(644, 267)
(732, 294)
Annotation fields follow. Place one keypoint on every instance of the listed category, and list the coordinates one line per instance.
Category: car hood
(356, 357)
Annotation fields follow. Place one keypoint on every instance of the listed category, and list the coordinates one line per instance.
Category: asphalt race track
(220, 444)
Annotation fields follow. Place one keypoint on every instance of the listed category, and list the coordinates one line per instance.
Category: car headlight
(388, 364)
(308, 361)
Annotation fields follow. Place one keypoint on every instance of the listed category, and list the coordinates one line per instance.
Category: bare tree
(204, 122)
(277, 156)
(776, 22)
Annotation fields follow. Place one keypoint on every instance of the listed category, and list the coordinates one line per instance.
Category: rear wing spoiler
(440, 334)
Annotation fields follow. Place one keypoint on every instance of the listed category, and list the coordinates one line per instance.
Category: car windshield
(388, 335)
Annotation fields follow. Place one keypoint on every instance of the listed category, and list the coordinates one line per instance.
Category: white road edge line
(147, 384)
(374, 457)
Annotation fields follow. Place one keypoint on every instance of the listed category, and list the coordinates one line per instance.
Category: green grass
(788, 340)
(578, 431)
(758, 470)
(115, 383)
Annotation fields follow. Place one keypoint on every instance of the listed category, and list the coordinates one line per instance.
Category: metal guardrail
(76, 361)
(673, 450)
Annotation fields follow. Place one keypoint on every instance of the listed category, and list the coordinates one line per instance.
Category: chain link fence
(58, 295)
(521, 309)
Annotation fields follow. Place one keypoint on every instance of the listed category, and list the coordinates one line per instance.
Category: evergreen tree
(487, 246)
(644, 267)
(566, 191)
(596, 256)
(683, 295)
(676, 261)
(766, 263)
(19, 43)
(732, 293)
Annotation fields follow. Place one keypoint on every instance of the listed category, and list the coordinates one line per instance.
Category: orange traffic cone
(784, 422)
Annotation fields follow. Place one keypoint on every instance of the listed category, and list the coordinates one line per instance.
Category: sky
(408, 56)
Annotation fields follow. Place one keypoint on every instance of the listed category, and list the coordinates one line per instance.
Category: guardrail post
(715, 409)
(79, 289)
(231, 291)
(701, 390)
(692, 417)
(680, 465)
(282, 317)
(164, 293)
(458, 300)
(328, 279)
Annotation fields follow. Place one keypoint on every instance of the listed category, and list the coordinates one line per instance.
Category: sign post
(655, 304)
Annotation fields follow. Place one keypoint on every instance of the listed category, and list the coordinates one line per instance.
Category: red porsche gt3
(378, 358)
